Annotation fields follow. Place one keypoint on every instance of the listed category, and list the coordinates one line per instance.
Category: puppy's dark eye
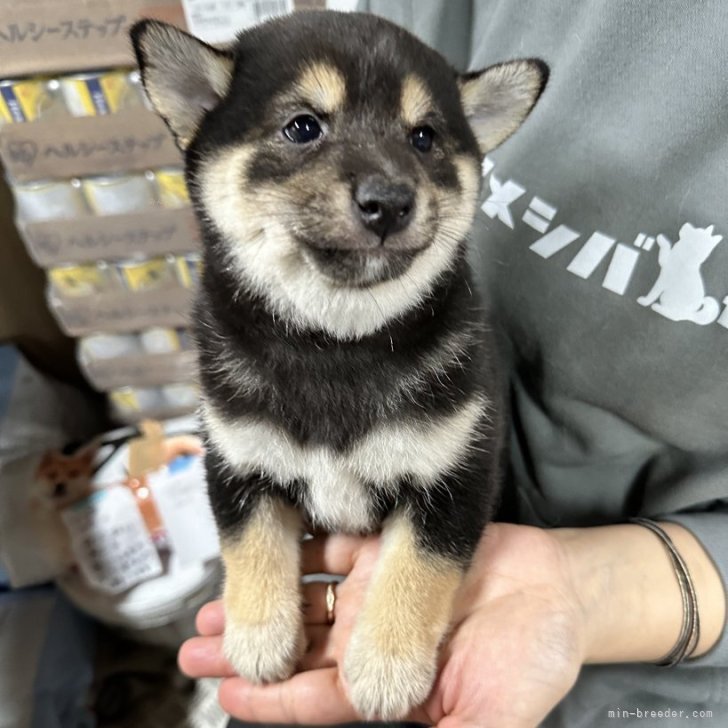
(421, 138)
(303, 129)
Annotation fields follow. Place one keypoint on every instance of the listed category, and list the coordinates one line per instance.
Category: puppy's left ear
(497, 100)
(183, 77)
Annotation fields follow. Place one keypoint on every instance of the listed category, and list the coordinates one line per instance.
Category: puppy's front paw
(387, 684)
(264, 652)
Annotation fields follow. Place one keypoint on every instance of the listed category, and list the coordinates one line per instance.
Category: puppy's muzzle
(384, 207)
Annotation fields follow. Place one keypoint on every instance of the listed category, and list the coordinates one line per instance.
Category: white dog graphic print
(679, 291)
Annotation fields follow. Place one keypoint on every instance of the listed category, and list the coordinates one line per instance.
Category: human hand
(515, 649)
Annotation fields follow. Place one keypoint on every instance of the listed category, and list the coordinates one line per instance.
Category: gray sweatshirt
(602, 244)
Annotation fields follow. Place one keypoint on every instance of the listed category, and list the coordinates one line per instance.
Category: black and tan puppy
(334, 164)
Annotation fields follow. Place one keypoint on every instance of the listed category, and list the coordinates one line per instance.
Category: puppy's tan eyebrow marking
(415, 101)
(323, 86)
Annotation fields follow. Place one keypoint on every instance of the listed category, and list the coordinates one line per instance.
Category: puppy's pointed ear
(497, 100)
(183, 77)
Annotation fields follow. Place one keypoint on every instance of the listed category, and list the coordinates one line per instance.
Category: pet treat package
(113, 512)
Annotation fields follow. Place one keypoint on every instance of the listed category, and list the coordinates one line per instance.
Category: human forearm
(629, 593)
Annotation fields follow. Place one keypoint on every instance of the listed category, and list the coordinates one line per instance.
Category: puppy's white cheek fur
(264, 636)
(268, 262)
(391, 661)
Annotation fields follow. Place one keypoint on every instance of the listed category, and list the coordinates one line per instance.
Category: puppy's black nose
(384, 207)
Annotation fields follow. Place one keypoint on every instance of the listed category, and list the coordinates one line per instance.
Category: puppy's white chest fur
(340, 486)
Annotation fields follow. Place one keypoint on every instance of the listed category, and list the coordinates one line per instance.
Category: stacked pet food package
(100, 197)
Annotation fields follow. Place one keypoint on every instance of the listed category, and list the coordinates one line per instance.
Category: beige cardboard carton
(51, 36)
(134, 139)
(149, 233)
(122, 311)
(140, 370)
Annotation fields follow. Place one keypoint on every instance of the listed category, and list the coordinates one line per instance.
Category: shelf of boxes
(159, 361)
(147, 358)
(100, 197)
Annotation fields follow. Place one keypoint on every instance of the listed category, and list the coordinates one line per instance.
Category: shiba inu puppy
(334, 164)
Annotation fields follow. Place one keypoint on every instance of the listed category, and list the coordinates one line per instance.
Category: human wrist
(609, 611)
(629, 595)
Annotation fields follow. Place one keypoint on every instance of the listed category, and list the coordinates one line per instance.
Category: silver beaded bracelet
(690, 632)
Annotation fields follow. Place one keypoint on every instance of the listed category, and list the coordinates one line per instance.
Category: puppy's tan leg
(391, 661)
(264, 636)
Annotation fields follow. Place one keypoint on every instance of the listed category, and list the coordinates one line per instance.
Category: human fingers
(330, 555)
(320, 651)
(316, 598)
(210, 619)
(315, 696)
(203, 657)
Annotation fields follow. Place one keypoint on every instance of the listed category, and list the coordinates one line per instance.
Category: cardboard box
(150, 233)
(52, 36)
(56, 36)
(24, 316)
(122, 311)
(134, 139)
(164, 414)
(141, 370)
